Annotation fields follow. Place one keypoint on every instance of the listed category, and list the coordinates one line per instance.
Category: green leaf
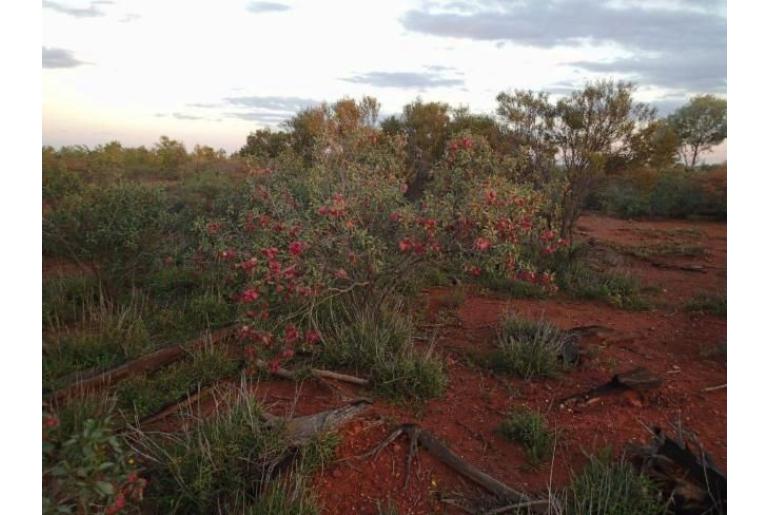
(105, 488)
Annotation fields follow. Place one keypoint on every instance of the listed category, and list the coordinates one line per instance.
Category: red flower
(405, 245)
(341, 274)
(270, 252)
(274, 365)
(119, 504)
(491, 196)
(248, 265)
(249, 295)
(278, 228)
(295, 248)
(474, 271)
(290, 333)
(50, 421)
(312, 336)
(481, 244)
(287, 353)
(395, 216)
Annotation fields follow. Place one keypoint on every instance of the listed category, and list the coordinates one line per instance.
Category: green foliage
(528, 348)
(700, 125)
(112, 230)
(377, 342)
(531, 430)
(144, 396)
(107, 335)
(228, 461)
(589, 129)
(58, 182)
(66, 297)
(670, 193)
(612, 488)
(708, 303)
(620, 290)
(87, 468)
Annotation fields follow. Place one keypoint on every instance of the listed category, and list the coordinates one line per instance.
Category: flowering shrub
(320, 232)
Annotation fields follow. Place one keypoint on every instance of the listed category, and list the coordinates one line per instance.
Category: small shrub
(377, 341)
(144, 396)
(227, 462)
(708, 303)
(87, 468)
(531, 430)
(110, 229)
(606, 487)
(65, 298)
(107, 335)
(620, 290)
(528, 348)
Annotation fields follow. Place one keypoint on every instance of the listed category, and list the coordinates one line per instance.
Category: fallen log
(638, 379)
(301, 430)
(315, 372)
(143, 364)
(685, 268)
(418, 436)
(694, 483)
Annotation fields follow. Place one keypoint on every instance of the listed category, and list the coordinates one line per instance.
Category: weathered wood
(315, 372)
(694, 483)
(143, 364)
(443, 453)
(638, 379)
(685, 268)
(301, 430)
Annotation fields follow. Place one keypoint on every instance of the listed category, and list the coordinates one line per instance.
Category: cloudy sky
(209, 72)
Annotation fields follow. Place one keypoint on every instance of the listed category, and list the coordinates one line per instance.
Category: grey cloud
(404, 80)
(78, 12)
(693, 71)
(686, 33)
(265, 7)
(266, 109)
(257, 116)
(59, 58)
(273, 103)
(185, 116)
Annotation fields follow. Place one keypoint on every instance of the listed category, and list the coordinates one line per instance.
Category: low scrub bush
(530, 429)
(584, 282)
(673, 193)
(605, 487)
(528, 348)
(111, 231)
(87, 467)
(143, 396)
(233, 460)
(107, 334)
(377, 342)
(708, 303)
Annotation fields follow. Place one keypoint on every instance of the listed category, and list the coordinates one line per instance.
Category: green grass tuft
(528, 348)
(708, 303)
(377, 342)
(531, 430)
(607, 487)
(620, 290)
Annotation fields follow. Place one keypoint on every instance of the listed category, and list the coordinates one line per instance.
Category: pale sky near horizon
(210, 72)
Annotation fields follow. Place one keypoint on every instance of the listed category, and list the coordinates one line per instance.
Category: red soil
(668, 342)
